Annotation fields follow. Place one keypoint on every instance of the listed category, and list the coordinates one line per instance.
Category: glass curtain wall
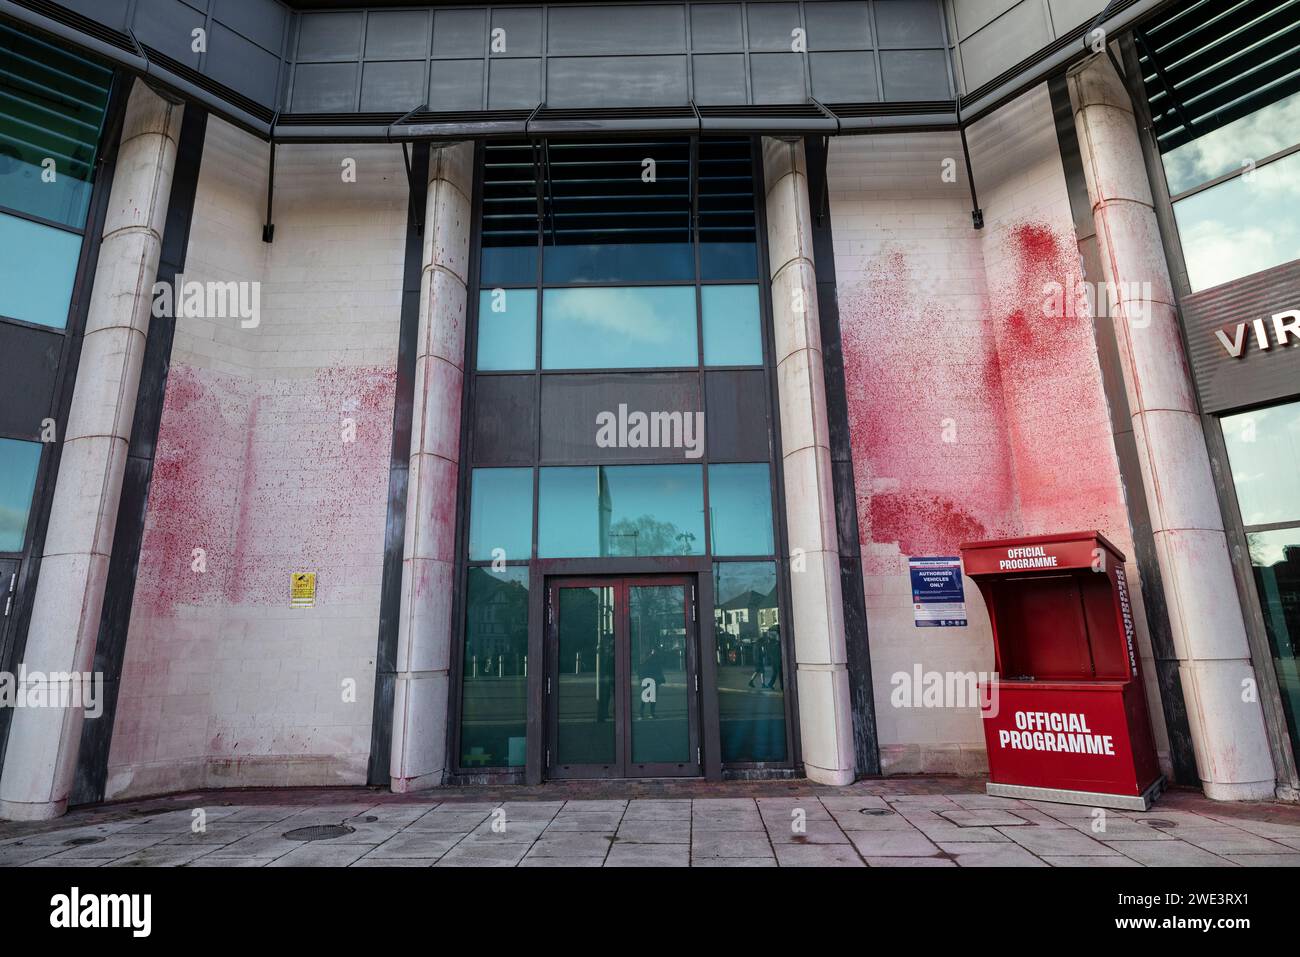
(1264, 453)
(621, 409)
(1224, 94)
(52, 107)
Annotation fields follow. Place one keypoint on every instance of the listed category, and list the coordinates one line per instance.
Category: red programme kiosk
(1066, 717)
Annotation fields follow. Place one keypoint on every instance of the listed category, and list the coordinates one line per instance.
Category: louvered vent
(1210, 62)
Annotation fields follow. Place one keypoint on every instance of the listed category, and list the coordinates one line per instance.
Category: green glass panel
(751, 676)
(501, 514)
(732, 331)
(52, 105)
(1275, 556)
(599, 327)
(1264, 452)
(1241, 226)
(740, 509)
(507, 329)
(636, 510)
(18, 464)
(660, 701)
(584, 694)
(494, 686)
(1268, 130)
(37, 269)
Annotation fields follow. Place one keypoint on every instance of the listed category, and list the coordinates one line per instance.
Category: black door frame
(624, 690)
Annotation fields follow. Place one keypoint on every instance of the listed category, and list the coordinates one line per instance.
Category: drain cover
(318, 832)
(1158, 822)
(80, 841)
(875, 811)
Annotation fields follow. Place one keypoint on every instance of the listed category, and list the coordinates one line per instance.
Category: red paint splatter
(1058, 421)
(930, 458)
(268, 478)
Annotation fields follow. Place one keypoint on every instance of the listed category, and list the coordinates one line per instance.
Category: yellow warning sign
(302, 589)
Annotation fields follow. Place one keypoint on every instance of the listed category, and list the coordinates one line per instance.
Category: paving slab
(1265, 860)
(572, 843)
(893, 844)
(737, 819)
(483, 855)
(1114, 861)
(990, 855)
(910, 862)
(370, 861)
(207, 860)
(649, 855)
(261, 844)
(531, 861)
(1170, 854)
(730, 844)
(860, 820)
(321, 854)
(1221, 839)
(163, 855)
(852, 802)
(654, 832)
(813, 832)
(417, 844)
(817, 855)
(647, 810)
(596, 807)
(983, 817)
(1060, 842)
(568, 820)
(15, 855)
(531, 810)
(73, 862)
(733, 862)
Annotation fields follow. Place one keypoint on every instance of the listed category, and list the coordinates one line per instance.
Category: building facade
(414, 394)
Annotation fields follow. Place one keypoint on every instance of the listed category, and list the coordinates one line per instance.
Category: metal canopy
(794, 119)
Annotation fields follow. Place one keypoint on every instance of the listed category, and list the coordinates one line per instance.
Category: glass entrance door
(622, 693)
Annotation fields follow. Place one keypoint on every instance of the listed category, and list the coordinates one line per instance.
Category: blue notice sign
(938, 599)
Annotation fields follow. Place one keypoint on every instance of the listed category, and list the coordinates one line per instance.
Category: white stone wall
(223, 682)
(970, 409)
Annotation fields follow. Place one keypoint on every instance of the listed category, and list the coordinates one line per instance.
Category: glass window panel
(751, 679)
(507, 329)
(504, 265)
(494, 699)
(584, 706)
(661, 731)
(36, 271)
(1241, 226)
(736, 418)
(52, 105)
(501, 514)
(594, 511)
(622, 262)
(1275, 556)
(732, 330)
(740, 509)
(1262, 133)
(18, 464)
(718, 260)
(619, 328)
(1264, 452)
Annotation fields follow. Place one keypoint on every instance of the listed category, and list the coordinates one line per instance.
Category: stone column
(825, 716)
(1227, 721)
(419, 751)
(43, 742)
